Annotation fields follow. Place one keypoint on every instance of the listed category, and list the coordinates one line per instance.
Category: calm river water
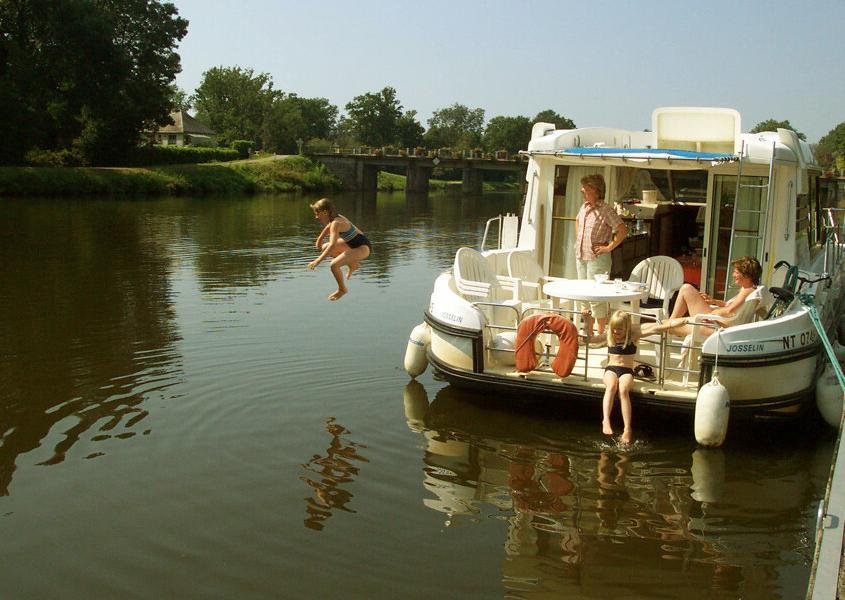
(184, 415)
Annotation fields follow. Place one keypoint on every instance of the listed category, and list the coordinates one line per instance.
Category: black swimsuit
(352, 239)
(618, 370)
(359, 240)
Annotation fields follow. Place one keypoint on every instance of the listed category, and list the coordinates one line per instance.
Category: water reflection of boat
(579, 511)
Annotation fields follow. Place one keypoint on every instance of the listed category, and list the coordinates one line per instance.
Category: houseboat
(695, 193)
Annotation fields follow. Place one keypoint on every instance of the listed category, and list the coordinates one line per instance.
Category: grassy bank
(270, 174)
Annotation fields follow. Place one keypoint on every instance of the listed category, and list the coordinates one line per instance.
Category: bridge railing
(410, 152)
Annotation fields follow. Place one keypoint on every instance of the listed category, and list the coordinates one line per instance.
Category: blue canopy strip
(650, 153)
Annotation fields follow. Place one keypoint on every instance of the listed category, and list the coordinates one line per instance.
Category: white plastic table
(589, 290)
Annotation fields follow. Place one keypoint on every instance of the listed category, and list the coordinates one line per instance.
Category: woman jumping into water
(347, 244)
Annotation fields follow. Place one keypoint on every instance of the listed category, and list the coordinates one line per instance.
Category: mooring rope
(809, 303)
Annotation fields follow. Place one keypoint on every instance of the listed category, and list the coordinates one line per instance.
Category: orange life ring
(566, 332)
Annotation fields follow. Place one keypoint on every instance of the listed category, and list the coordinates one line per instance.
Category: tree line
(241, 104)
(81, 81)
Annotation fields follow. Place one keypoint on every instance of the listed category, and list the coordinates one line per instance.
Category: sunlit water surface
(183, 414)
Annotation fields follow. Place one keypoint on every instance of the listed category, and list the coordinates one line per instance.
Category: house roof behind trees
(185, 123)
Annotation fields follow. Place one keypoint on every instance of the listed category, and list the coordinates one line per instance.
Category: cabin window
(671, 186)
(748, 229)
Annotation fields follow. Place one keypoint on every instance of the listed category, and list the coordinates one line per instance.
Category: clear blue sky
(598, 62)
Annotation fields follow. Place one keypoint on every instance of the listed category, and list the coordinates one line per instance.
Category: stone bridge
(359, 171)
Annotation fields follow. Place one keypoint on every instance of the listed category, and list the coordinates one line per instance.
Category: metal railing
(487, 230)
(418, 152)
(834, 225)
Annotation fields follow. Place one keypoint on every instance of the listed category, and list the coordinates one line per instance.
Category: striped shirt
(594, 225)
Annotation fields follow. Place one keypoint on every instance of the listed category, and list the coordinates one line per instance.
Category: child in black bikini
(622, 338)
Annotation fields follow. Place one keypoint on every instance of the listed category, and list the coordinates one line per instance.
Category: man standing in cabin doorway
(598, 230)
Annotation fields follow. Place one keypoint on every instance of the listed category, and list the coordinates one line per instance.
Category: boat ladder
(757, 204)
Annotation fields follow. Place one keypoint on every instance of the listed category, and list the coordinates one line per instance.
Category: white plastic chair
(705, 325)
(523, 267)
(663, 276)
(476, 281)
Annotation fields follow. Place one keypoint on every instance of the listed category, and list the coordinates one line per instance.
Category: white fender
(416, 360)
(712, 410)
(829, 397)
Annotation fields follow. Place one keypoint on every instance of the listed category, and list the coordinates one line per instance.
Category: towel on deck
(566, 332)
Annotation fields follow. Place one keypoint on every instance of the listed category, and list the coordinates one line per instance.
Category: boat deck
(588, 372)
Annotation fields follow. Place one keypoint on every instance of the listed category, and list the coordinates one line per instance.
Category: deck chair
(663, 276)
(754, 308)
(523, 267)
(476, 281)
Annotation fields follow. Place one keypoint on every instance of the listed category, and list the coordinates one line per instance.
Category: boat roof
(681, 137)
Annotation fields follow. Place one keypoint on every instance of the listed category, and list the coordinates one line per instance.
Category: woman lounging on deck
(691, 302)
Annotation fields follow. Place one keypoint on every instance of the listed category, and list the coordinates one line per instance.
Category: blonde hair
(619, 319)
(595, 181)
(326, 205)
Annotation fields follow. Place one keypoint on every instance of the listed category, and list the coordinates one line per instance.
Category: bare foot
(351, 268)
(627, 437)
(337, 295)
(606, 428)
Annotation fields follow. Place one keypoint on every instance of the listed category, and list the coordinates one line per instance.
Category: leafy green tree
(373, 118)
(831, 148)
(84, 74)
(234, 102)
(508, 133)
(319, 117)
(344, 134)
(772, 125)
(179, 99)
(283, 124)
(456, 126)
(409, 131)
(550, 116)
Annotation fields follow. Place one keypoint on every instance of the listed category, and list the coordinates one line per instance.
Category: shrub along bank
(270, 174)
(267, 174)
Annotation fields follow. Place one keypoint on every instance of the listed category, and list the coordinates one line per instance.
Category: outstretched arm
(323, 234)
(333, 235)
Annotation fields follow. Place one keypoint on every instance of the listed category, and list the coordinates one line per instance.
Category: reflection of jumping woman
(347, 244)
